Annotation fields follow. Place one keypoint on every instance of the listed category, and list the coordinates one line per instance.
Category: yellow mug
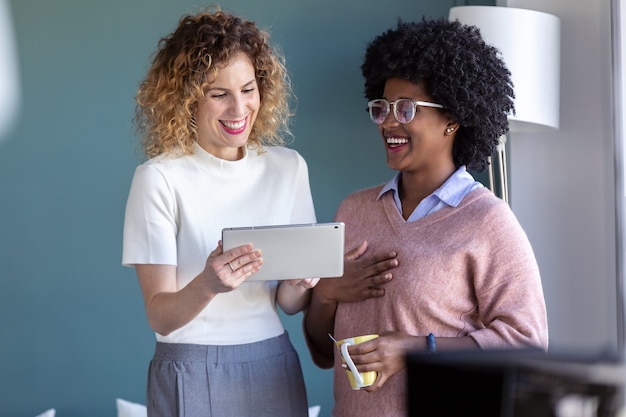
(357, 379)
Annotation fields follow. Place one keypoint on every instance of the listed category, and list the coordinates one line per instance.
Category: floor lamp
(530, 45)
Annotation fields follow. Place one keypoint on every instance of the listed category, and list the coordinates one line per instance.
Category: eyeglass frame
(392, 109)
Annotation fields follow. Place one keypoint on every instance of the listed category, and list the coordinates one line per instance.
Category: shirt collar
(451, 192)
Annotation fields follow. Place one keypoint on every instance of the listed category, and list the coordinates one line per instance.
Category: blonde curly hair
(168, 97)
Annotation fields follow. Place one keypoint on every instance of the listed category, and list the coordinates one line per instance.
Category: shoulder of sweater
(484, 204)
(369, 193)
(157, 163)
(274, 150)
(167, 159)
(277, 152)
(483, 199)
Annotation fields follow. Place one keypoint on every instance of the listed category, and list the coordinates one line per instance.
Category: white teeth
(234, 125)
(397, 141)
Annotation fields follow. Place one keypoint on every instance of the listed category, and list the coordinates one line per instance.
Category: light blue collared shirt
(449, 194)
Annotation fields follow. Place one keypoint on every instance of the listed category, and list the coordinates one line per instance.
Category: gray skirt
(255, 379)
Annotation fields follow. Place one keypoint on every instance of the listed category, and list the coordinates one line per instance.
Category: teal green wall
(73, 332)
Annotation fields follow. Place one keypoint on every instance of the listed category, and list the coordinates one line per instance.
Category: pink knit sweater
(468, 270)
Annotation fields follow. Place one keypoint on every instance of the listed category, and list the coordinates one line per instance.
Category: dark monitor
(513, 383)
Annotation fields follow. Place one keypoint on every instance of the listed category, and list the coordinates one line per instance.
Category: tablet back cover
(292, 251)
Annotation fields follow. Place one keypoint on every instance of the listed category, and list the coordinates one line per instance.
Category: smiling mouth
(396, 141)
(234, 126)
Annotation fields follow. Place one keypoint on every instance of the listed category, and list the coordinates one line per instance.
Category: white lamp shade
(9, 76)
(530, 45)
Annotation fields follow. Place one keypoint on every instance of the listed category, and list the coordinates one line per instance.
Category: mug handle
(346, 357)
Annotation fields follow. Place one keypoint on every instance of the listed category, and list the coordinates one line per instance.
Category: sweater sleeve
(304, 210)
(508, 286)
(149, 225)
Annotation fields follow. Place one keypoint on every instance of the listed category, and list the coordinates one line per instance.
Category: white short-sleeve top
(176, 210)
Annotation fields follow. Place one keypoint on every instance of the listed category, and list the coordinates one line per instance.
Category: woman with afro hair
(460, 272)
(212, 112)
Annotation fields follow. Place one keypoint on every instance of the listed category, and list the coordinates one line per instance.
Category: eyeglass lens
(404, 110)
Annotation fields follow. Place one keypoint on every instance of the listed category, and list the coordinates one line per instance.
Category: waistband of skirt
(223, 353)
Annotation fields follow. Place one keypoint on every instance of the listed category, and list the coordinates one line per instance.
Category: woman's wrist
(324, 293)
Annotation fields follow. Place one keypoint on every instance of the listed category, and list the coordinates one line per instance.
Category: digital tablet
(292, 251)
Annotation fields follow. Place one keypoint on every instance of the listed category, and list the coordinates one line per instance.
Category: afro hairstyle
(462, 72)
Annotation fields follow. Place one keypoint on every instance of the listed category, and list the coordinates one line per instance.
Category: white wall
(562, 184)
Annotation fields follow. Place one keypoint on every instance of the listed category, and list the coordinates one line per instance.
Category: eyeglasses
(403, 109)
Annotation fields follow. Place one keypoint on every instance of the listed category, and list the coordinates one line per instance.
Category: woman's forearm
(319, 322)
(292, 298)
(167, 308)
